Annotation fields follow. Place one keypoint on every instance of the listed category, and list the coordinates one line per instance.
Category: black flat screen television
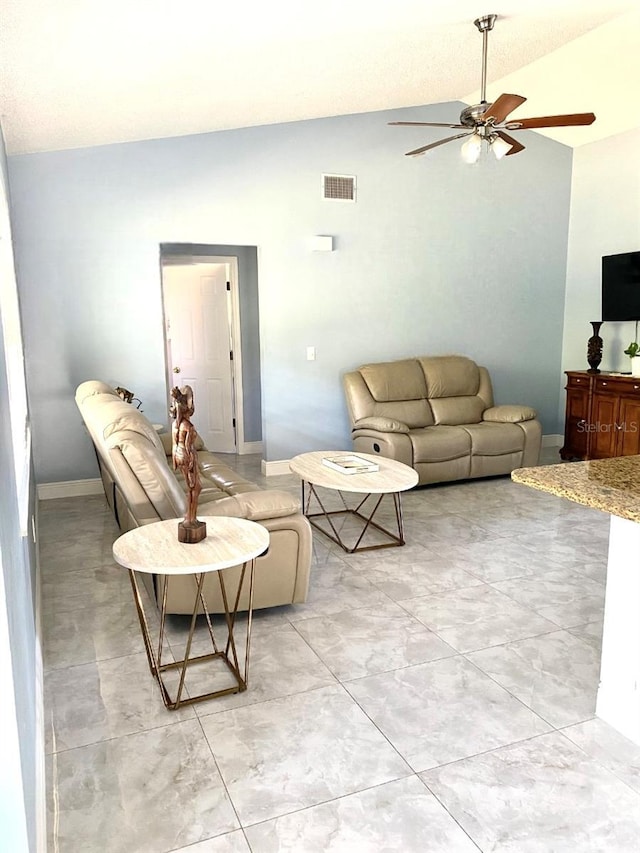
(621, 286)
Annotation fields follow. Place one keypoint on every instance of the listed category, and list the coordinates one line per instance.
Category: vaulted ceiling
(75, 73)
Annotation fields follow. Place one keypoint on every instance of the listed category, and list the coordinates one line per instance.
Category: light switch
(311, 353)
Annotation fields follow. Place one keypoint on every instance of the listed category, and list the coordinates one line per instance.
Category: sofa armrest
(509, 414)
(254, 506)
(381, 425)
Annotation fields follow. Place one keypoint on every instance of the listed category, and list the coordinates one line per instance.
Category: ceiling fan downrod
(484, 25)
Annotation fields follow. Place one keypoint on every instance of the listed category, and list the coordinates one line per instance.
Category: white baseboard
(279, 467)
(552, 440)
(249, 447)
(69, 489)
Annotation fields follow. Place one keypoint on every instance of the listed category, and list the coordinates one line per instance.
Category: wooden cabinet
(629, 438)
(576, 434)
(602, 416)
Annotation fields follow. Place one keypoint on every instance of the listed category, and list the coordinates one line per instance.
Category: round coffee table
(391, 479)
(155, 549)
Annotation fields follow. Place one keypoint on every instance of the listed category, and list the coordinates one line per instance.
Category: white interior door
(199, 348)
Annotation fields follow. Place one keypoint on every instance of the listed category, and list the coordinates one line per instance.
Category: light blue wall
(605, 220)
(436, 256)
(18, 780)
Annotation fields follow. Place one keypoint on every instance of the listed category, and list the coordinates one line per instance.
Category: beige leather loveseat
(437, 415)
(141, 487)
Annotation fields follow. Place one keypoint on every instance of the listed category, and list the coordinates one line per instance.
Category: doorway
(203, 347)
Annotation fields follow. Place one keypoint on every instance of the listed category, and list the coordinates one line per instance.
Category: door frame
(235, 335)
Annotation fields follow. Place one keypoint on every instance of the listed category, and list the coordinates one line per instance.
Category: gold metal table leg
(229, 655)
(396, 537)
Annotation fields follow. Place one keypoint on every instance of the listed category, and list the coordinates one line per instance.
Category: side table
(154, 549)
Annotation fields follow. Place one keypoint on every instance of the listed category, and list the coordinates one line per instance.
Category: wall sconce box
(322, 243)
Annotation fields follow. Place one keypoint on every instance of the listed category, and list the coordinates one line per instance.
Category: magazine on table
(348, 463)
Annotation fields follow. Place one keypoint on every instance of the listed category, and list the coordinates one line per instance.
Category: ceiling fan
(488, 122)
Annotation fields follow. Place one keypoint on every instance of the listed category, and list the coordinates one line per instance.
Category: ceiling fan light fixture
(500, 147)
(471, 148)
(489, 121)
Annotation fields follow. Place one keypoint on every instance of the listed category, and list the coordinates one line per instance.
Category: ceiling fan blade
(516, 146)
(435, 144)
(500, 109)
(571, 120)
(424, 124)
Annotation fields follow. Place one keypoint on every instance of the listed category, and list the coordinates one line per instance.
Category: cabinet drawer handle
(578, 380)
(618, 426)
(603, 384)
(635, 387)
(581, 422)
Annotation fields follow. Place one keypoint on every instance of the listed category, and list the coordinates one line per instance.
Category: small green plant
(632, 349)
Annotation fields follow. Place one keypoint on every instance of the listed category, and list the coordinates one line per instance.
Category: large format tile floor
(436, 698)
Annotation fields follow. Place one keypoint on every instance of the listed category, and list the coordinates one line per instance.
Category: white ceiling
(77, 72)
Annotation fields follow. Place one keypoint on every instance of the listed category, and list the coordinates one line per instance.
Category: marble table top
(612, 485)
(154, 548)
(393, 476)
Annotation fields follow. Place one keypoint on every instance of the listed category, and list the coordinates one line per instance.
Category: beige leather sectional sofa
(141, 487)
(437, 415)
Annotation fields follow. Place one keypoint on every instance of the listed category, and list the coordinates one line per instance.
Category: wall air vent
(339, 187)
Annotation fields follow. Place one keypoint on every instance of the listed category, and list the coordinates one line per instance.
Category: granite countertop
(612, 485)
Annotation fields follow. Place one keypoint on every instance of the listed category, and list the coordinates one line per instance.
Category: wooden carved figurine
(185, 459)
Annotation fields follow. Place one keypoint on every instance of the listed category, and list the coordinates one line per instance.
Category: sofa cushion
(208, 461)
(495, 439)
(212, 470)
(450, 469)
(166, 439)
(148, 470)
(100, 409)
(450, 376)
(391, 381)
(254, 505)
(413, 413)
(131, 420)
(92, 387)
(509, 414)
(439, 443)
(208, 492)
(454, 411)
(394, 391)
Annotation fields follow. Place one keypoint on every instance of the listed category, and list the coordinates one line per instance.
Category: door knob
(176, 370)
